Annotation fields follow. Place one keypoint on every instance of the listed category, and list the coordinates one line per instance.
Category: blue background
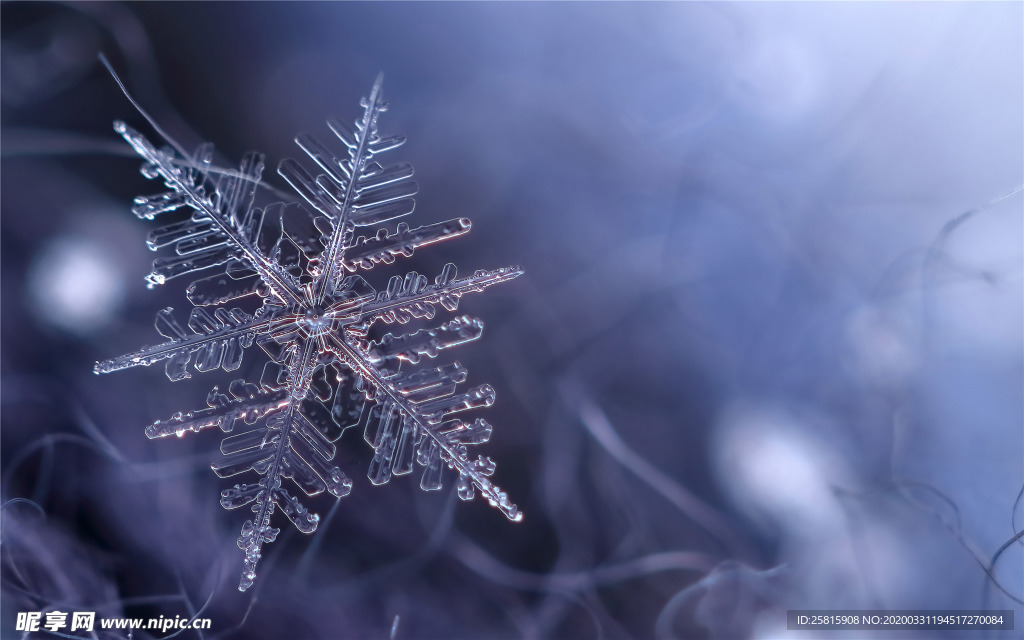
(746, 370)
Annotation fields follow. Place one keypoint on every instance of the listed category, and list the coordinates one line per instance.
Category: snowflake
(311, 315)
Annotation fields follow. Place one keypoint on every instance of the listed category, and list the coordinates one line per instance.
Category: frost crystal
(311, 313)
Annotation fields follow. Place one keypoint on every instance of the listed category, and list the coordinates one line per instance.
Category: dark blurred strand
(153, 123)
(192, 613)
(379, 576)
(163, 134)
(23, 501)
(492, 569)
(935, 250)
(597, 424)
(663, 626)
(21, 142)
(302, 566)
(1013, 512)
(902, 485)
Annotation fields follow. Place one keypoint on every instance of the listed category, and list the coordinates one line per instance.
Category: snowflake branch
(173, 348)
(343, 228)
(417, 299)
(466, 468)
(277, 281)
(300, 376)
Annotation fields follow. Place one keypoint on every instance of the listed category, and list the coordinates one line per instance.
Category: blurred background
(767, 353)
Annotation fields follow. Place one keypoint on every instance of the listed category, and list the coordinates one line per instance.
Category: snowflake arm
(420, 418)
(221, 227)
(217, 341)
(410, 297)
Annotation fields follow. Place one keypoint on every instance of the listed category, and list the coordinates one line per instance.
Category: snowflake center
(315, 322)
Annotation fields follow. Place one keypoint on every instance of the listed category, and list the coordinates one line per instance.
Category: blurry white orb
(773, 468)
(75, 285)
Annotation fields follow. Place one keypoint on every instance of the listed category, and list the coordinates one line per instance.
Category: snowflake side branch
(383, 247)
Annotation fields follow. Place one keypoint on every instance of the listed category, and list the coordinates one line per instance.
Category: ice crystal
(311, 314)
